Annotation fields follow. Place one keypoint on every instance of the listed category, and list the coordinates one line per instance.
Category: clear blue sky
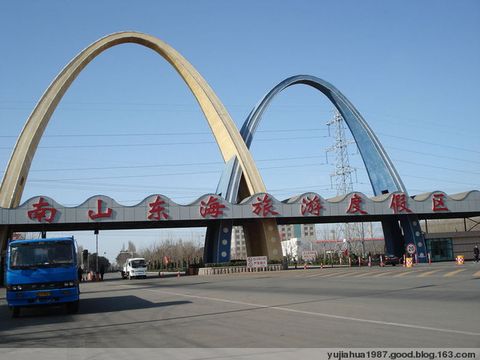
(410, 67)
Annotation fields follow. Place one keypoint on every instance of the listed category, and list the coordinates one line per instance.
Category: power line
(436, 155)
(204, 142)
(192, 105)
(106, 135)
(427, 142)
(437, 167)
(436, 180)
(168, 165)
(165, 174)
(97, 146)
(219, 163)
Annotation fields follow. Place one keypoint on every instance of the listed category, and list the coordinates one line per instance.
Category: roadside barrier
(460, 259)
(369, 261)
(409, 262)
(382, 264)
(236, 269)
(349, 261)
(416, 258)
(429, 258)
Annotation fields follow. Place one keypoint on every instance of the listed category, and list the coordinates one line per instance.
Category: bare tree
(177, 252)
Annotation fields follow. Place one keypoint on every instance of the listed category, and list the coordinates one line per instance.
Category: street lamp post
(96, 249)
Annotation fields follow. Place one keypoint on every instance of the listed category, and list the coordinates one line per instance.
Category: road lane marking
(428, 273)
(345, 274)
(318, 314)
(406, 272)
(364, 273)
(452, 273)
(382, 274)
(323, 275)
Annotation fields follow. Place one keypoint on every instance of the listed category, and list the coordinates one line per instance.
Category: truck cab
(42, 272)
(134, 268)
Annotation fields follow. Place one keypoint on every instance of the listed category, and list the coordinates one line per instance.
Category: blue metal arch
(381, 171)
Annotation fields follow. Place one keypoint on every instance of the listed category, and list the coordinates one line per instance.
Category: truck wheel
(15, 311)
(72, 307)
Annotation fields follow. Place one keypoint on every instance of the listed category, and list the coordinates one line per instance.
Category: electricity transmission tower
(342, 180)
(342, 175)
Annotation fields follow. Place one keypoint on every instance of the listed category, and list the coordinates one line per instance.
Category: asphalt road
(425, 307)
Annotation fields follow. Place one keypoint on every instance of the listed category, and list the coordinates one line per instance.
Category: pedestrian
(102, 271)
(476, 253)
(80, 274)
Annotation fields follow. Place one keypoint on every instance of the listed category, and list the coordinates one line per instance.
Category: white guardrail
(236, 269)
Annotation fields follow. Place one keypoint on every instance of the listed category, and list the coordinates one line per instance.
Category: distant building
(238, 248)
(447, 238)
(298, 231)
(293, 248)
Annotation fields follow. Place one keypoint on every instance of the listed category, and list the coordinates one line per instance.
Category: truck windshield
(138, 263)
(41, 254)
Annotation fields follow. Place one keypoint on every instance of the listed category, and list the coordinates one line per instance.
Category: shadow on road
(121, 303)
(57, 314)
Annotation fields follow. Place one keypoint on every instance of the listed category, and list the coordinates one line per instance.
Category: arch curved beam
(223, 128)
(381, 171)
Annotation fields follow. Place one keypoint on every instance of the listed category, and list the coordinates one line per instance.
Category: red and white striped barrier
(460, 259)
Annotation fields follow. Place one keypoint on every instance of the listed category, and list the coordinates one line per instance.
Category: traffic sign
(257, 262)
(309, 255)
(411, 249)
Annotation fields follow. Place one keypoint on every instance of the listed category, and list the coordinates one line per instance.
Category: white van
(134, 268)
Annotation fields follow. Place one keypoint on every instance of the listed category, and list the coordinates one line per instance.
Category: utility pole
(96, 248)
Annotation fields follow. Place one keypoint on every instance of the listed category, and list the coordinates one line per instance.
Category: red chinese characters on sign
(99, 214)
(157, 211)
(438, 203)
(355, 205)
(264, 206)
(42, 211)
(399, 203)
(211, 208)
(311, 206)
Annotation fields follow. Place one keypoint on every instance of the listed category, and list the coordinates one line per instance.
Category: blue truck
(42, 272)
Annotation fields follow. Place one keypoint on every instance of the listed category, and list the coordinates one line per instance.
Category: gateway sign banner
(159, 208)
